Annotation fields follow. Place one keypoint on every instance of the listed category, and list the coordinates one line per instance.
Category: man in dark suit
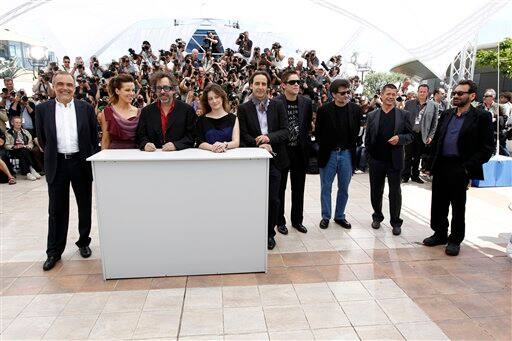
(388, 130)
(264, 124)
(167, 123)
(336, 131)
(67, 131)
(462, 143)
(300, 114)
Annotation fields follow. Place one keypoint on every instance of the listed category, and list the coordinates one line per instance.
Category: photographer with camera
(244, 44)
(95, 67)
(210, 43)
(43, 86)
(147, 54)
(8, 93)
(278, 55)
(312, 61)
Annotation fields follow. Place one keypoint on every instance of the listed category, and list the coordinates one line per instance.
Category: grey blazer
(428, 122)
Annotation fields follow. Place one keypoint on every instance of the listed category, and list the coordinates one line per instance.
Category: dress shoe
(282, 229)
(376, 225)
(271, 244)
(418, 180)
(50, 262)
(397, 230)
(300, 228)
(343, 223)
(324, 223)
(85, 251)
(434, 240)
(404, 180)
(452, 249)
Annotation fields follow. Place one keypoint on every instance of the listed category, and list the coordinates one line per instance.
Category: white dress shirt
(65, 123)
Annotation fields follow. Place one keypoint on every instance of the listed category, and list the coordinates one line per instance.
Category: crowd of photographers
(230, 69)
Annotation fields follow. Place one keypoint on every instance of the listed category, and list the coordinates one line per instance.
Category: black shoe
(404, 180)
(376, 225)
(452, 249)
(434, 240)
(271, 244)
(397, 230)
(85, 251)
(418, 180)
(324, 223)
(343, 223)
(50, 262)
(300, 228)
(282, 229)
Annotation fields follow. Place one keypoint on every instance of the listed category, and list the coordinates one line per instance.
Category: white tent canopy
(432, 33)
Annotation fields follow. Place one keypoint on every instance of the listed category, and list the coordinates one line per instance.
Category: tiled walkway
(326, 284)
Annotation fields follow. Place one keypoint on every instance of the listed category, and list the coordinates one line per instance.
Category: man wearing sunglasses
(336, 131)
(462, 143)
(167, 123)
(300, 112)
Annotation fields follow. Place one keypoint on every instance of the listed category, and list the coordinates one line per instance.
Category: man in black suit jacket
(264, 124)
(167, 123)
(67, 131)
(462, 143)
(300, 112)
(336, 131)
(388, 130)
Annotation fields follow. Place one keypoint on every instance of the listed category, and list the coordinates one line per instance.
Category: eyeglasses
(165, 88)
(293, 82)
(343, 93)
(459, 93)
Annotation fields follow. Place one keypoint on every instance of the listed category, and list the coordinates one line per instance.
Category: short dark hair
(472, 85)
(287, 73)
(260, 73)
(338, 83)
(507, 95)
(389, 86)
(66, 57)
(155, 77)
(437, 90)
(424, 86)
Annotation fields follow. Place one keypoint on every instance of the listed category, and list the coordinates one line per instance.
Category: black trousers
(26, 159)
(413, 153)
(449, 186)
(76, 172)
(273, 198)
(297, 170)
(379, 171)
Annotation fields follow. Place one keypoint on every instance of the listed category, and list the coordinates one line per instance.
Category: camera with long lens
(24, 98)
(276, 46)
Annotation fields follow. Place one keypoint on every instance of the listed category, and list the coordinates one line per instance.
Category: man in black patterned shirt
(300, 113)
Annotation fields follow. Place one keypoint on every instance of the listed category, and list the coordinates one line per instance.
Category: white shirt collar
(62, 105)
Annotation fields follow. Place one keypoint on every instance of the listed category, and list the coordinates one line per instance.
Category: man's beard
(461, 103)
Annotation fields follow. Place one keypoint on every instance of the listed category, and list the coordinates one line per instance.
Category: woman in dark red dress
(119, 119)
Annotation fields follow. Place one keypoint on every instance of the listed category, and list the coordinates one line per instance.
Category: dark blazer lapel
(302, 109)
(51, 119)
(253, 115)
(375, 122)
(468, 120)
(175, 112)
(79, 117)
(398, 121)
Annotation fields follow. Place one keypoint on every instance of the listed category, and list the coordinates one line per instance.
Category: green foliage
(9, 68)
(374, 81)
(490, 57)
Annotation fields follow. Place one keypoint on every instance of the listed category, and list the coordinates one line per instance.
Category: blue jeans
(340, 163)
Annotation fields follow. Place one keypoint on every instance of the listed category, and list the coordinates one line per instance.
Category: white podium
(187, 212)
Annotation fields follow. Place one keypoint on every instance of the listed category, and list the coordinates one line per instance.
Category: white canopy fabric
(431, 32)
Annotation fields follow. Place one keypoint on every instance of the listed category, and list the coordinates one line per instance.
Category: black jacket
(475, 141)
(403, 128)
(179, 131)
(87, 126)
(305, 119)
(325, 131)
(277, 121)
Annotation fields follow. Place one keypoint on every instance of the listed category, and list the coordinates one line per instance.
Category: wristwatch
(226, 144)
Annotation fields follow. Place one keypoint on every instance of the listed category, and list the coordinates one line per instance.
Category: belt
(339, 149)
(68, 156)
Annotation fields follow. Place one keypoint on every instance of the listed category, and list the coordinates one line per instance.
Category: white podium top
(191, 154)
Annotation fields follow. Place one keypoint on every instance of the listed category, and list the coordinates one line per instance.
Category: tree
(490, 57)
(374, 81)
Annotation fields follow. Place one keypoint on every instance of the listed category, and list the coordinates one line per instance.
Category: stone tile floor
(327, 284)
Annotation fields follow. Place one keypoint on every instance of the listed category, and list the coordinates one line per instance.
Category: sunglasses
(343, 93)
(459, 93)
(165, 88)
(293, 82)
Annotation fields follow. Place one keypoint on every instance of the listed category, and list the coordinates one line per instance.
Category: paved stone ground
(326, 284)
